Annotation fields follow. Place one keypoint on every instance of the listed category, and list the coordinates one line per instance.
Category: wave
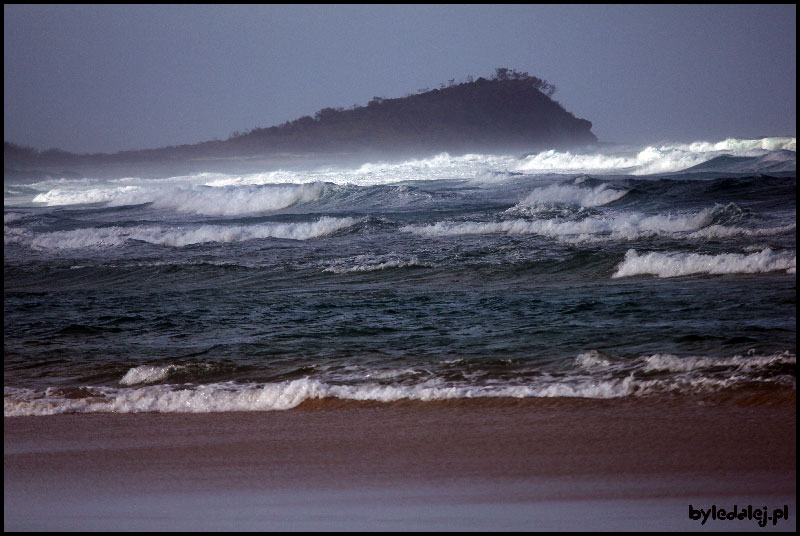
(751, 364)
(242, 200)
(775, 162)
(555, 194)
(146, 374)
(150, 374)
(231, 194)
(101, 237)
(595, 375)
(204, 200)
(682, 264)
(748, 364)
(775, 143)
(60, 197)
(371, 263)
(442, 166)
(621, 226)
(668, 158)
(9, 217)
(722, 231)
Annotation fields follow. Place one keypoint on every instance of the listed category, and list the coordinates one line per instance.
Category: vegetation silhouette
(510, 111)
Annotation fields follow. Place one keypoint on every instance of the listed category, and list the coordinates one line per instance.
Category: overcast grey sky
(108, 78)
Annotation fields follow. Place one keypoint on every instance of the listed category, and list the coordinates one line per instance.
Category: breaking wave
(682, 264)
(146, 374)
(9, 217)
(178, 236)
(595, 375)
(668, 158)
(371, 263)
(619, 226)
(204, 200)
(569, 194)
(752, 365)
(233, 194)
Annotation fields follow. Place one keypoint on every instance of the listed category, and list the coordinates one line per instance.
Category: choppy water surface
(627, 272)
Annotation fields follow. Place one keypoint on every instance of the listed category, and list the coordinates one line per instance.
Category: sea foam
(230, 194)
(666, 158)
(682, 264)
(619, 226)
(183, 236)
(687, 376)
(195, 199)
(570, 194)
(9, 217)
(146, 374)
(371, 263)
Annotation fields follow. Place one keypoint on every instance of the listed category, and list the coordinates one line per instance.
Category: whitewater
(609, 272)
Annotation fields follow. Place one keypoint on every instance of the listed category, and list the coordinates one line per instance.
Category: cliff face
(510, 112)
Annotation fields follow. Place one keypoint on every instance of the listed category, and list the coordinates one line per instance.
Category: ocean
(620, 272)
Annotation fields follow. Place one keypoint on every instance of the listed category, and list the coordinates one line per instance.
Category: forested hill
(510, 111)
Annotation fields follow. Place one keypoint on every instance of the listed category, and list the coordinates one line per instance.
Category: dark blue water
(434, 279)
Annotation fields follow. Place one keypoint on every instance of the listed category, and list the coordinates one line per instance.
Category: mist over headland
(81, 78)
(511, 112)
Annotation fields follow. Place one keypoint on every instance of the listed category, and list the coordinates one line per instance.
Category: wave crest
(371, 263)
(668, 158)
(204, 200)
(596, 375)
(619, 226)
(569, 194)
(682, 264)
(182, 236)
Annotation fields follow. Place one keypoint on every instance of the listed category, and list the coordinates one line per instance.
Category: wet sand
(499, 465)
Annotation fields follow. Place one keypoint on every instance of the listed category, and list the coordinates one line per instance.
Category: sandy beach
(471, 465)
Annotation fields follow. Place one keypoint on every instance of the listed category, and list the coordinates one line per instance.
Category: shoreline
(610, 464)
